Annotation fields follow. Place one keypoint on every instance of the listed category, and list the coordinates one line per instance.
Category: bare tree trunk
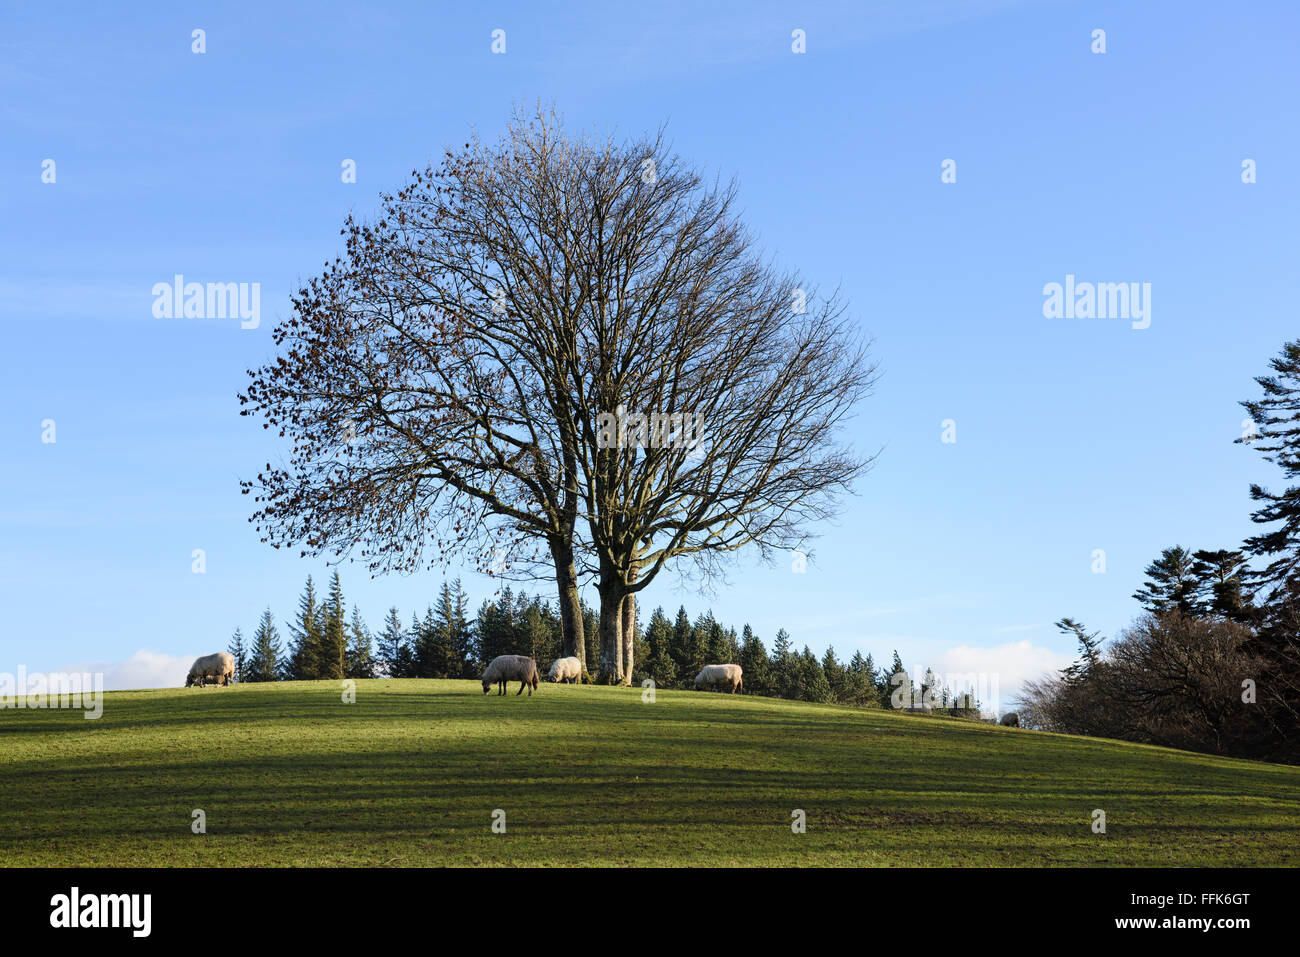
(629, 635)
(612, 593)
(611, 646)
(572, 640)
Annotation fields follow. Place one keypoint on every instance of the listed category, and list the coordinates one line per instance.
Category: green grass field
(411, 774)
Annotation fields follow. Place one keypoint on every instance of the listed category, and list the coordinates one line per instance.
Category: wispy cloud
(144, 669)
(1014, 663)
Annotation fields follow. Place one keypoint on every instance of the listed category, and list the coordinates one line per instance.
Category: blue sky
(1072, 434)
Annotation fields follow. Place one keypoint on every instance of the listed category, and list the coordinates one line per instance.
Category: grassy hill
(411, 773)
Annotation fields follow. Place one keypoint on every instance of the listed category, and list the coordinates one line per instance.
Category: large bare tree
(445, 382)
(421, 382)
(733, 377)
(698, 329)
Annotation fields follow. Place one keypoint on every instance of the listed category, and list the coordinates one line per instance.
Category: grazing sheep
(1010, 720)
(565, 669)
(219, 667)
(511, 668)
(720, 676)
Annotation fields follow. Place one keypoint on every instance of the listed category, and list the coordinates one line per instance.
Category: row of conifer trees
(327, 641)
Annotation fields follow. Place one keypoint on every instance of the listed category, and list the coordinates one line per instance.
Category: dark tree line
(1213, 662)
(327, 642)
(672, 652)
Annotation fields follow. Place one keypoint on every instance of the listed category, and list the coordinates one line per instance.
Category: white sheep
(565, 669)
(219, 667)
(505, 668)
(720, 676)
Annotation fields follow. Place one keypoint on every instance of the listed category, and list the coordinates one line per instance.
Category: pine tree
(660, 666)
(812, 680)
(868, 664)
(303, 660)
(640, 650)
(755, 663)
(683, 646)
(485, 638)
(512, 608)
(715, 641)
(1219, 575)
(538, 632)
(896, 665)
(447, 655)
(701, 643)
(498, 630)
(860, 682)
(239, 653)
(360, 659)
(931, 693)
(785, 667)
(895, 685)
(1171, 583)
(1089, 651)
(264, 657)
(331, 658)
(428, 653)
(443, 644)
(1277, 421)
(730, 646)
(1275, 589)
(834, 673)
(394, 647)
(452, 616)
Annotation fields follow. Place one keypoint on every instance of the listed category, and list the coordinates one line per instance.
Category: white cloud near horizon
(144, 669)
(1013, 663)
